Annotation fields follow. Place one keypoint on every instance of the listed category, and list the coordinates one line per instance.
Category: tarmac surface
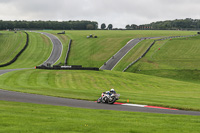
(113, 61)
(40, 99)
(9, 70)
(48, 100)
(57, 49)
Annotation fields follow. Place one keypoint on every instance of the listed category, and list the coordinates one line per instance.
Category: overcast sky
(117, 12)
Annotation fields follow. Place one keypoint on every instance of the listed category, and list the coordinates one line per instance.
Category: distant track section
(57, 49)
(114, 60)
(150, 48)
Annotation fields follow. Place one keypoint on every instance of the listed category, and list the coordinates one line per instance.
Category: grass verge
(22, 117)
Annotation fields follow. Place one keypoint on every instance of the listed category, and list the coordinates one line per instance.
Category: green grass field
(89, 85)
(177, 59)
(167, 77)
(10, 45)
(21, 117)
(37, 52)
(94, 52)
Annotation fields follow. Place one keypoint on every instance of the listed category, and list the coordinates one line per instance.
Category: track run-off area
(109, 65)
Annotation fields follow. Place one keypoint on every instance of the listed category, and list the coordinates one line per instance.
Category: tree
(134, 26)
(90, 27)
(55, 25)
(128, 27)
(103, 26)
(110, 26)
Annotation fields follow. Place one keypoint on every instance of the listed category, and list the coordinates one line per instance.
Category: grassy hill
(88, 84)
(10, 45)
(177, 59)
(93, 52)
(87, 52)
(38, 50)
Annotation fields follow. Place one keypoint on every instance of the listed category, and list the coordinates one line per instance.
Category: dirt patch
(64, 38)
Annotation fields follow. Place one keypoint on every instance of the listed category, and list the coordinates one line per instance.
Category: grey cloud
(117, 12)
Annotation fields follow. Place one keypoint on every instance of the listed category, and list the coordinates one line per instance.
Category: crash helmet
(112, 90)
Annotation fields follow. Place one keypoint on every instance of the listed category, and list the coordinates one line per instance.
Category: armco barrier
(67, 68)
(15, 58)
(150, 48)
(69, 47)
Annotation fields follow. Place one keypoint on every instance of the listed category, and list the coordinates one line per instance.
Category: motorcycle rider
(112, 91)
(106, 97)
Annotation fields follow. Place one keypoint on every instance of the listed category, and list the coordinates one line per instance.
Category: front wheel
(99, 100)
(112, 100)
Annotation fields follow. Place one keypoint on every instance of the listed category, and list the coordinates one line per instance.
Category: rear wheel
(112, 100)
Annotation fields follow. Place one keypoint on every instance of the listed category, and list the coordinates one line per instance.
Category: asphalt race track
(40, 99)
(10, 70)
(112, 62)
(109, 65)
(57, 49)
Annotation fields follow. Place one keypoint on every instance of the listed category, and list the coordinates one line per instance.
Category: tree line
(103, 26)
(54, 25)
(178, 24)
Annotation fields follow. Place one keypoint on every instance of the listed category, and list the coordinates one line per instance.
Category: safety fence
(15, 58)
(73, 67)
(150, 48)
(69, 47)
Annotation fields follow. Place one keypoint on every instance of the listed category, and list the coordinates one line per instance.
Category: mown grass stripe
(35, 54)
(139, 89)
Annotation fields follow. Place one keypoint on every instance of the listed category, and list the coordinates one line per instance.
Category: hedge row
(69, 47)
(75, 67)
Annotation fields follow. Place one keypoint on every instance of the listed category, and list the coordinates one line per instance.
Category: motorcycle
(106, 97)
